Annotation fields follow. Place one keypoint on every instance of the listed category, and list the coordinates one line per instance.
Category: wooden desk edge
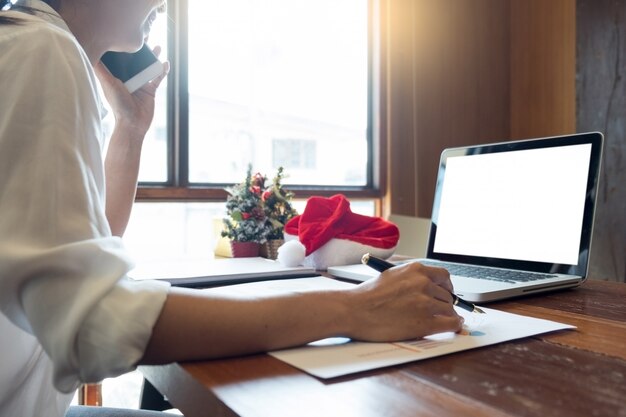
(195, 399)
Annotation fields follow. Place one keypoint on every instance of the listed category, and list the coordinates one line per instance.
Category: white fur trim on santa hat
(332, 253)
(291, 253)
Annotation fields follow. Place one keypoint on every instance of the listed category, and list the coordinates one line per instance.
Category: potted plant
(278, 210)
(247, 225)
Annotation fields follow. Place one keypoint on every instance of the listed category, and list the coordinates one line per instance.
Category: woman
(69, 312)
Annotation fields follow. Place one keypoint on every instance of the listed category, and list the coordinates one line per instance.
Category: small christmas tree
(277, 206)
(246, 221)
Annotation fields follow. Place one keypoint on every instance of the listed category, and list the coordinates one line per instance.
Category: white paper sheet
(338, 356)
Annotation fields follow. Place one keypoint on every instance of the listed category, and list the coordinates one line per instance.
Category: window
(155, 147)
(294, 154)
(187, 230)
(272, 83)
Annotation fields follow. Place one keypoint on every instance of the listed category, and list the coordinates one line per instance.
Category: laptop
(513, 218)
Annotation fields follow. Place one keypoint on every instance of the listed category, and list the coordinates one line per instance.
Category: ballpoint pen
(381, 265)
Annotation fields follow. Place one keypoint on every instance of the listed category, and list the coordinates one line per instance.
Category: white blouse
(69, 312)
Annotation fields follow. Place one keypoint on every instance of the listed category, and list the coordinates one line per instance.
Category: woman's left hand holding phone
(133, 117)
(133, 112)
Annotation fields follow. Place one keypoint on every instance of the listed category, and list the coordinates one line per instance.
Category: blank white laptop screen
(525, 205)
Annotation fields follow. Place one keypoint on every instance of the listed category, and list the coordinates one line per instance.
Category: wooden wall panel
(601, 39)
(472, 72)
(448, 81)
(543, 62)
(400, 53)
(461, 72)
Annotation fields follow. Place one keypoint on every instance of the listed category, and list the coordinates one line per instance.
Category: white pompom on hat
(330, 234)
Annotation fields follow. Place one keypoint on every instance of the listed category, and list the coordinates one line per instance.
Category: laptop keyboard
(491, 274)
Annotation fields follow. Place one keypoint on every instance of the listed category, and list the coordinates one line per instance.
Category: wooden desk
(567, 373)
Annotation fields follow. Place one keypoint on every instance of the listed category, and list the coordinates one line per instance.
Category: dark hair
(10, 6)
(5, 5)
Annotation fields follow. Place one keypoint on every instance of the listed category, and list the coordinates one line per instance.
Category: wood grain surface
(601, 105)
(566, 373)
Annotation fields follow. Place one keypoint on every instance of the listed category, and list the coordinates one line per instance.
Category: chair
(414, 232)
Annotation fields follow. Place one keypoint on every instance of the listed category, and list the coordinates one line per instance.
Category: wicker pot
(269, 249)
(244, 249)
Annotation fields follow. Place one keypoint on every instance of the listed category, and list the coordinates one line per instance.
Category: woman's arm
(403, 303)
(122, 170)
(133, 116)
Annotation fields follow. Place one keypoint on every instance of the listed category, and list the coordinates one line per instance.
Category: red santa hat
(327, 233)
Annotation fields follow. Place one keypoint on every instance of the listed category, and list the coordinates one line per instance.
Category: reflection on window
(264, 70)
(294, 154)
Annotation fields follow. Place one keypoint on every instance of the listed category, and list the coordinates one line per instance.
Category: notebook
(217, 272)
(512, 218)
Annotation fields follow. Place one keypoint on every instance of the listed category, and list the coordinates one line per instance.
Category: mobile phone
(133, 69)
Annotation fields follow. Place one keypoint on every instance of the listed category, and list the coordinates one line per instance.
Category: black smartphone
(133, 69)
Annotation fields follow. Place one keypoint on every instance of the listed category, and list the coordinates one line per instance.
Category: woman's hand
(404, 302)
(133, 116)
(133, 112)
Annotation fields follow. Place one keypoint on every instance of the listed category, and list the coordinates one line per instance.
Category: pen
(381, 265)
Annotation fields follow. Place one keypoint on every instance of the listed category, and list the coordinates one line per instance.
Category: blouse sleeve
(62, 274)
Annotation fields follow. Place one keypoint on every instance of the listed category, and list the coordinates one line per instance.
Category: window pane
(166, 231)
(154, 153)
(161, 231)
(278, 83)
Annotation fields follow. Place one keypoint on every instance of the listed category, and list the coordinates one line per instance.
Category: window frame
(178, 188)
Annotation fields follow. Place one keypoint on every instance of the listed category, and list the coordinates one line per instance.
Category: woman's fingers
(439, 276)
(156, 50)
(406, 302)
(440, 324)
